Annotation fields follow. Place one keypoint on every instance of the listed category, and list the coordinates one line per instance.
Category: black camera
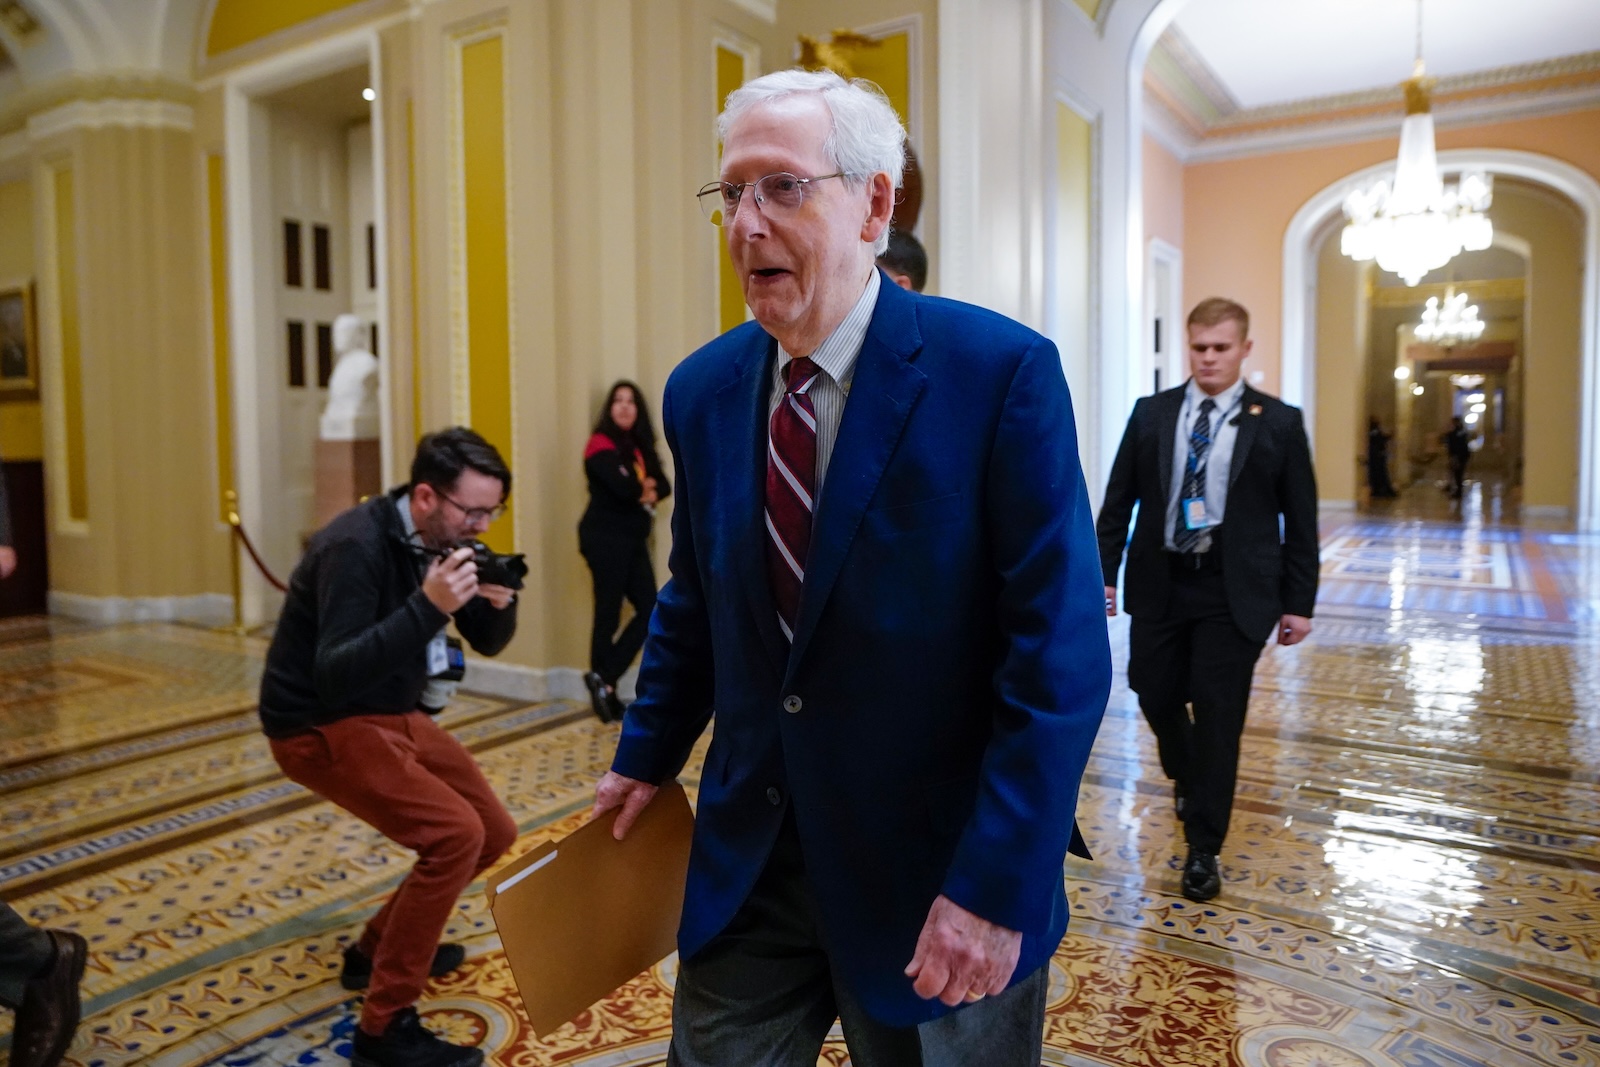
(494, 568)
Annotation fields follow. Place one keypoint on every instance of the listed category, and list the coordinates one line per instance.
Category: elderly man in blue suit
(884, 580)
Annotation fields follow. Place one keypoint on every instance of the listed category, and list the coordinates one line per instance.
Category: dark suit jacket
(1268, 536)
(950, 665)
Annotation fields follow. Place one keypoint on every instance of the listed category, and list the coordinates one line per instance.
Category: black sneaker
(357, 971)
(407, 1043)
(1201, 878)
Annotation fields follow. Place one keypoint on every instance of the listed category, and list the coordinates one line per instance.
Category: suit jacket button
(773, 796)
(791, 704)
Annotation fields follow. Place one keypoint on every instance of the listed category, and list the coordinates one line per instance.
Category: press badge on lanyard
(439, 651)
(1194, 512)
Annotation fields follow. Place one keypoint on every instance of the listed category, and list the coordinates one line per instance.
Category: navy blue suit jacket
(950, 664)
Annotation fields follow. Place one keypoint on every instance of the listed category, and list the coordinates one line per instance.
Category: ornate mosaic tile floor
(1412, 877)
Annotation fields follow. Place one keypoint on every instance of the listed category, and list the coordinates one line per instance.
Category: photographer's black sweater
(353, 635)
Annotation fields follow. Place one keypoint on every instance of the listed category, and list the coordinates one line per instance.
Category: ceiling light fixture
(368, 94)
(1418, 224)
(1450, 323)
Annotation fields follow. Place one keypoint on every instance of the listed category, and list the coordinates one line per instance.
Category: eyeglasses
(777, 195)
(472, 514)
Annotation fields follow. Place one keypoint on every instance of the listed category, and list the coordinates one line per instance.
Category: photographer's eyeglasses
(777, 195)
(472, 514)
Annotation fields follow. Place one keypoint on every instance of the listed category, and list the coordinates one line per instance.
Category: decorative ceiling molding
(17, 109)
(100, 114)
(1187, 109)
(1482, 291)
(765, 10)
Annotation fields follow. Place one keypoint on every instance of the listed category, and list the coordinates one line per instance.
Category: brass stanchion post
(232, 500)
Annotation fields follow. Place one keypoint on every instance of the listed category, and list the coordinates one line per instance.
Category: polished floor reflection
(1412, 878)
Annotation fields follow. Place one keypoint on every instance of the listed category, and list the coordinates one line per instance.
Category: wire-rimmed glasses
(473, 515)
(777, 195)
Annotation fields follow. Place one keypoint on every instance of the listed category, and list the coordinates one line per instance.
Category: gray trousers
(24, 951)
(762, 994)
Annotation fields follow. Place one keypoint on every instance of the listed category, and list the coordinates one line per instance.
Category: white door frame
(253, 261)
(1170, 361)
(1299, 267)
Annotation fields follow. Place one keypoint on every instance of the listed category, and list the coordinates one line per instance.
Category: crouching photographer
(359, 660)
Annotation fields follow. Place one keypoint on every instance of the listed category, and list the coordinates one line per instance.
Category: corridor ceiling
(1266, 52)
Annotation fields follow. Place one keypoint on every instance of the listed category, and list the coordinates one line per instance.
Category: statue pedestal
(346, 472)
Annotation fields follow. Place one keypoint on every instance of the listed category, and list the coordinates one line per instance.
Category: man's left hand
(1292, 629)
(498, 595)
(962, 957)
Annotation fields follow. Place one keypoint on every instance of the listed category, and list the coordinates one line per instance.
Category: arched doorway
(1310, 224)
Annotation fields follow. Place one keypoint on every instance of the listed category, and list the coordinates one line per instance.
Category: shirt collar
(837, 355)
(1225, 400)
(402, 504)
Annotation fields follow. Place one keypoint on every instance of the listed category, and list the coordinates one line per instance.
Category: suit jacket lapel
(742, 425)
(882, 393)
(1167, 406)
(1249, 422)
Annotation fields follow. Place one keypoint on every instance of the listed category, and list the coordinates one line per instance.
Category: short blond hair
(1215, 310)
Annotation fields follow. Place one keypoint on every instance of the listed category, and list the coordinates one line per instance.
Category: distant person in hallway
(626, 483)
(905, 261)
(883, 567)
(1378, 482)
(1218, 469)
(1458, 447)
(343, 702)
(39, 969)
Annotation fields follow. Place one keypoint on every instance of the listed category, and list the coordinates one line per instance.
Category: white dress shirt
(1219, 458)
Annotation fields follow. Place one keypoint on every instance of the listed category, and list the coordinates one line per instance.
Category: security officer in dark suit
(1223, 555)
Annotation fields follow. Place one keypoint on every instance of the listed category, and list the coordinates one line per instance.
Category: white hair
(866, 137)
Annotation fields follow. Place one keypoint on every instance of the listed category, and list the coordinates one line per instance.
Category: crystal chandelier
(1450, 323)
(1418, 224)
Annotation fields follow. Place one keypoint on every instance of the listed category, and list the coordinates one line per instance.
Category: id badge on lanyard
(1194, 512)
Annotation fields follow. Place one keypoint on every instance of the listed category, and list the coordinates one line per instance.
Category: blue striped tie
(1194, 476)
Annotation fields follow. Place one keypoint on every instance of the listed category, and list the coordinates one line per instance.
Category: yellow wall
(483, 137)
(730, 292)
(238, 22)
(221, 366)
(1341, 356)
(1074, 236)
(21, 435)
(68, 329)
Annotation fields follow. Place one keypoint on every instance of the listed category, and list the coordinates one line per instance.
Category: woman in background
(625, 484)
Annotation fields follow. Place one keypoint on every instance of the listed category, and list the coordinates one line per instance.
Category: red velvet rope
(244, 539)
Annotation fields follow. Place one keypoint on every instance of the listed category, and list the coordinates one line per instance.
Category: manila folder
(581, 916)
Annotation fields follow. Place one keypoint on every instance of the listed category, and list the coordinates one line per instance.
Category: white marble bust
(352, 411)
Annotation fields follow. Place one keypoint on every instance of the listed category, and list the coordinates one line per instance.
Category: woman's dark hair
(643, 434)
(442, 456)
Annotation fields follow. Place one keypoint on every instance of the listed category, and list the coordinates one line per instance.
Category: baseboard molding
(212, 609)
(1546, 511)
(516, 682)
(1336, 505)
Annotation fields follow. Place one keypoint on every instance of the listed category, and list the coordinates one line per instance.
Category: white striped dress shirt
(836, 359)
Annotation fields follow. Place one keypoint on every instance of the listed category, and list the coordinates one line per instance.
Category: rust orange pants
(416, 785)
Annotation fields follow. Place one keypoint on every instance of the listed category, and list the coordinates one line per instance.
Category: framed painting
(19, 342)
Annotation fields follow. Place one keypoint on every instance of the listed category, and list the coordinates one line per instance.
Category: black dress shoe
(357, 972)
(614, 705)
(48, 1015)
(407, 1043)
(1201, 878)
(598, 692)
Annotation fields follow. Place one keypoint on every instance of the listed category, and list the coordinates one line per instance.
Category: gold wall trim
(221, 368)
(67, 322)
(735, 60)
(481, 313)
(1480, 291)
(417, 427)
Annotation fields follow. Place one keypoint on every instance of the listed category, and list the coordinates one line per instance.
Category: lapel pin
(1255, 409)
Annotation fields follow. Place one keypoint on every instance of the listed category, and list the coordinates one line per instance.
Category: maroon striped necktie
(791, 484)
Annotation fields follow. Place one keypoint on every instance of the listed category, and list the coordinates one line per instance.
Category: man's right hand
(451, 581)
(1111, 601)
(630, 794)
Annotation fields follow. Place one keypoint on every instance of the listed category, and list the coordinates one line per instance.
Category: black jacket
(614, 512)
(1268, 536)
(352, 638)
